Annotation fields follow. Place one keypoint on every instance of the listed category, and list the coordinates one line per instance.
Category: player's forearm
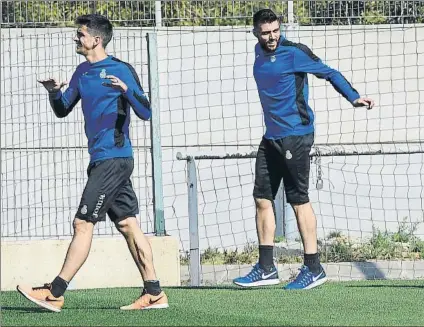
(342, 86)
(58, 105)
(139, 103)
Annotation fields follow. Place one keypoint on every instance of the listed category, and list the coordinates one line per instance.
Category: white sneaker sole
(313, 285)
(266, 282)
(42, 304)
(157, 306)
(150, 307)
(317, 283)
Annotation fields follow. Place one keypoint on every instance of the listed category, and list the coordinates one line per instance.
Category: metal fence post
(291, 29)
(159, 224)
(290, 12)
(193, 217)
(158, 13)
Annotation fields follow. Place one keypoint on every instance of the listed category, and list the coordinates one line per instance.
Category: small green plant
(212, 256)
(338, 251)
(185, 258)
(290, 259)
(405, 234)
(248, 255)
(402, 244)
(418, 248)
(334, 234)
(279, 239)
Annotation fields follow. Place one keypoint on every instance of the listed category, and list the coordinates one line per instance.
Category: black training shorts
(108, 190)
(287, 159)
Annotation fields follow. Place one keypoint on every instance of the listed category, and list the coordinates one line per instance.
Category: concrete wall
(209, 102)
(109, 264)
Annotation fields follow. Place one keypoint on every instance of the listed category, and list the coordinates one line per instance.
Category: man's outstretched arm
(305, 61)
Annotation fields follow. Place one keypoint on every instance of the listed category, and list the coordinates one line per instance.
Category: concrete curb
(341, 271)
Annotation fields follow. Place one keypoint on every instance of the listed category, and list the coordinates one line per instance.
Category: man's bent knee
(263, 204)
(127, 225)
(301, 207)
(81, 226)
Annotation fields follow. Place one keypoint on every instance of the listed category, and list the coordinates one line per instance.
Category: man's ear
(255, 32)
(98, 40)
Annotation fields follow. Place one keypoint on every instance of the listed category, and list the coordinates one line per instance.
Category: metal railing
(168, 13)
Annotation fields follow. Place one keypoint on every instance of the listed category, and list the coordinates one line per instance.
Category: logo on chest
(272, 59)
(103, 73)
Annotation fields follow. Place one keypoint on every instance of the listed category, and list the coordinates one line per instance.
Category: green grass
(362, 303)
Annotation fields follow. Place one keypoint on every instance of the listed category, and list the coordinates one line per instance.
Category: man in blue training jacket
(107, 88)
(280, 71)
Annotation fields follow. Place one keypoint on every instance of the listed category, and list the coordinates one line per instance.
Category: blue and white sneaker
(307, 280)
(258, 277)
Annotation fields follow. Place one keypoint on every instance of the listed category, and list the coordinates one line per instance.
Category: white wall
(208, 100)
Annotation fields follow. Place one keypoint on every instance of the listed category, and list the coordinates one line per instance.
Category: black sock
(152, 287)
(312, 262)
(266, 257)
(59, 286)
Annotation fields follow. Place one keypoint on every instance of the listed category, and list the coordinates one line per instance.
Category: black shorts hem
(90, 220)
(257, 195)
(123, 218)
(298, 201)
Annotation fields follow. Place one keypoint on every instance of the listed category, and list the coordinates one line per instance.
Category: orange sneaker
(148, 301)
(42, 296)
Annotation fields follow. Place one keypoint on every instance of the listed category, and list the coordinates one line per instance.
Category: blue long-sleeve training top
(281, 78)
(106, 110)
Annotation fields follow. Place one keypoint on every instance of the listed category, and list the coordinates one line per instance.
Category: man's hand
(52, 85)
(115, 83)
(364, 102)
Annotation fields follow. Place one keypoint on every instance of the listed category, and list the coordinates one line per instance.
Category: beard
(79, 48)
(270, 45)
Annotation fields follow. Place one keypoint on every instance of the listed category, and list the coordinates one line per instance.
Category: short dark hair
(97, 25)
(264, 16)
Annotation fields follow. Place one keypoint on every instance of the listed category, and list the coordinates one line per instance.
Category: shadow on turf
(229, 287)
(393, 286)
(26, 310)
(41, 310)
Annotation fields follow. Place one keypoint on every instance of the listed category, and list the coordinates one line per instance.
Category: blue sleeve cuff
(353, 96)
